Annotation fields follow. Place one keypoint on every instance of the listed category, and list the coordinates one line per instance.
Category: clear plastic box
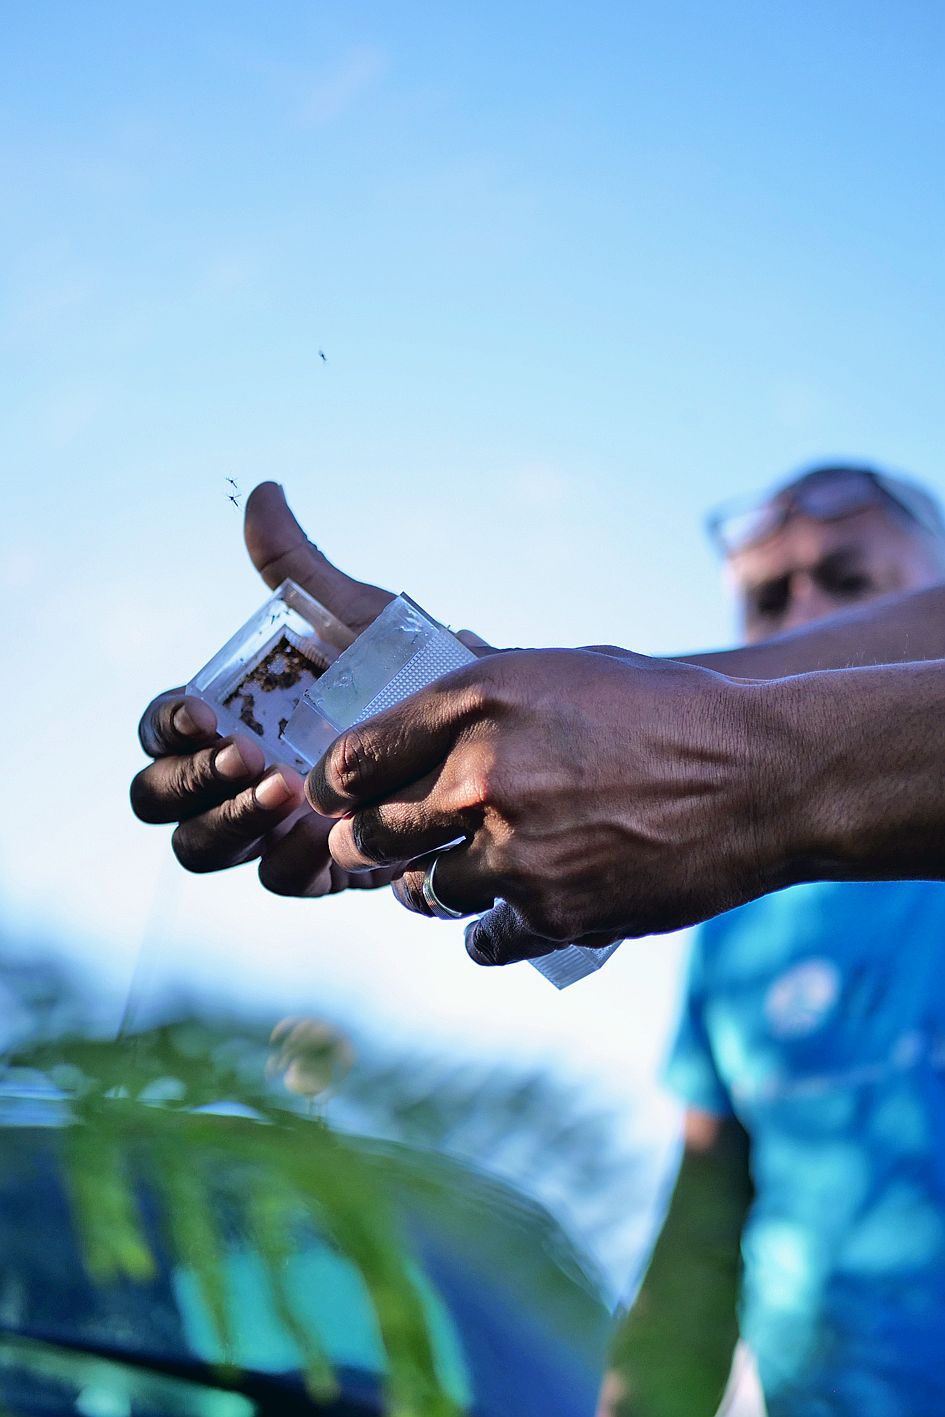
(254, 683)
(402, 651)
(295, 676)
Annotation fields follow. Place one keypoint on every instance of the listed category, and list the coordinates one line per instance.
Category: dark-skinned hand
(227, 808)
(599, 796)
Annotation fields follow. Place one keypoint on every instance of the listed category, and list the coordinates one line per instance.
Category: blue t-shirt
(816, 1016)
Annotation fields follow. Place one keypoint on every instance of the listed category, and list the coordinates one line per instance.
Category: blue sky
(578, 272)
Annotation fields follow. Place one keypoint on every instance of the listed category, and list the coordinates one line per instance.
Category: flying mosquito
(234, 500)
(323, 356)
(233, 484)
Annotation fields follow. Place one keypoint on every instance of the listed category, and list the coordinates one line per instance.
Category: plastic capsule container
(255, 682)
(296, 677)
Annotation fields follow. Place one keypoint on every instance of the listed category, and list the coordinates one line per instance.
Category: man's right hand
(228, 809)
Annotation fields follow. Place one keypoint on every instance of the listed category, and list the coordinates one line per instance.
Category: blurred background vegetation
(212, 1211)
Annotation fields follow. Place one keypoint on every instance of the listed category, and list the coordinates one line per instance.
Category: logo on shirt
(799, 1001)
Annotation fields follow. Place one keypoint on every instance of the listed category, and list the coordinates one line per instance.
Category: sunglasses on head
(835, 494)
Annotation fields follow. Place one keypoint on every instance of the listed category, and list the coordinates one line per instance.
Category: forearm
(672, 1352)
(862, 772)
(891, 631)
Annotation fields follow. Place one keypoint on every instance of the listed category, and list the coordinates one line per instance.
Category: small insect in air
(323, 356)
(234, 500)
(233, 484)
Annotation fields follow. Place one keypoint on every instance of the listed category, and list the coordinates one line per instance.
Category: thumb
(280, 550)
(501, 936)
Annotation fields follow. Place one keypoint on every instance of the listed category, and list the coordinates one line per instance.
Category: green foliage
(122, 1385)
(185, 1111)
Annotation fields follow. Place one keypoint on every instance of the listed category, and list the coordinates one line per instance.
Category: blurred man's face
(810, 569)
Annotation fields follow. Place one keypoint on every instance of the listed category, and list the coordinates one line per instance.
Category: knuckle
(192, 774)
(408, 889)
(339, 774)
(480, 786)
(485, 782)
(350, 761)
(236, 820)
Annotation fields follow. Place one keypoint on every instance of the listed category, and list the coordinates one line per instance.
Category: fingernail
(185, 723)
(229, 762)
(272, 791)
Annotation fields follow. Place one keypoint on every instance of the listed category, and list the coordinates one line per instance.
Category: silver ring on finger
(436, 906)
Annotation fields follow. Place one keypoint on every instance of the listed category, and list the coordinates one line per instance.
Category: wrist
(787, 844)
(858, 775)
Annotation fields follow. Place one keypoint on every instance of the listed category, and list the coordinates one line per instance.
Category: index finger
(175, 722)
(389, 752)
